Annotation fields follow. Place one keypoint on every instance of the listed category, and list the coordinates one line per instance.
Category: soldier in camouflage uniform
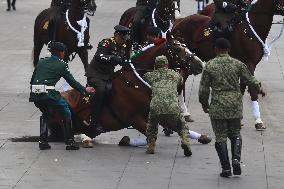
(45, 76)
(222, 75)
(164, 106)
(110, 52)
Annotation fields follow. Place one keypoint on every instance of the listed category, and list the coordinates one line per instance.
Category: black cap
(56, 46)
(121, 29)
(153, 31)
(222, 43)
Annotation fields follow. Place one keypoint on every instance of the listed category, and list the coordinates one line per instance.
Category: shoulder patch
(104, 43)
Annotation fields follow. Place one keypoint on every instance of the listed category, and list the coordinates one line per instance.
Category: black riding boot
(221, 148)
(236, 147)
(68, 135)
(43, 138)
(96, 109)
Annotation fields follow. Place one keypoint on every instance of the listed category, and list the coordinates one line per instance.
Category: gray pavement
(108, 166)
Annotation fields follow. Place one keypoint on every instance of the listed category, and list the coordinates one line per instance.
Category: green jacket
(48, 72)
(222, 75)
(164, 84)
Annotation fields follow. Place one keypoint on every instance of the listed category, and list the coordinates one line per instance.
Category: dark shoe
(168, 132)
(186, 150)
(71, 145)
(236, 167)
(14, 8)
(204, 139)
(124, 141)
(8, 9)
(44, 146)
(226, 173)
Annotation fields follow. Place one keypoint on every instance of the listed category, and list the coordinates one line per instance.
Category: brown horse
(245, 45)
(65, 33)
(129, 92)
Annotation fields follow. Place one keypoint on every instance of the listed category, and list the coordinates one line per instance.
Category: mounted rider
(57, 8)
(110, 52)
(143, 9)
(226, 15)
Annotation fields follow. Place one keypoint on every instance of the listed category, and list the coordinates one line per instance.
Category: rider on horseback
(143, 9)
(110, 52)
(57, 8)
(226, 15)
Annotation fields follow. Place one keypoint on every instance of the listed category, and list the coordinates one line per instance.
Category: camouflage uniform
(164, 106)
(222, 74)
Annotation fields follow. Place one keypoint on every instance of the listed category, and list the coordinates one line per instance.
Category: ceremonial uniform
(45, 76)
(222, 75)
(143, 8)
(164, 106)
(101, 69)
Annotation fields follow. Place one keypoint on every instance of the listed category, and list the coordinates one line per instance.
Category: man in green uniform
(45, 76)
(164, 106)
(110, 52)
(222, 75)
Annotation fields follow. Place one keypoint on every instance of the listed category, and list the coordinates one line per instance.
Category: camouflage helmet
(161, 60)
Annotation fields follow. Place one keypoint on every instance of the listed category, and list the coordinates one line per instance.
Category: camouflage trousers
(226, 128)
(176, 121)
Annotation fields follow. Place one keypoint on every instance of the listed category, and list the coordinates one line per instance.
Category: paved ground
(108, 166)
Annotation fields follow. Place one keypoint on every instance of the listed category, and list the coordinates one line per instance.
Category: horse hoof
(204, 139)
(188, 118)
(260, 127)
(87, 144)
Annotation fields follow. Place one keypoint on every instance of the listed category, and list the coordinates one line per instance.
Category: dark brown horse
(245, 45)
(129, 99)
(65, 32)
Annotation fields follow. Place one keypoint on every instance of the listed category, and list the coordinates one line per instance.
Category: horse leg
(36, 52)
(184, 109)
(83, 54)
(258, 123)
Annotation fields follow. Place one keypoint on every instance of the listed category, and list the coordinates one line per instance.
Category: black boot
(96, 109)
(221, 148)
(236, 147)
(68, 135)
(43, 138)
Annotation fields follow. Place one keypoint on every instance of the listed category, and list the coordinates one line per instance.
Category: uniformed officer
(164, 106)
(45, 76)
(225, 15)
(143, 8)
(110, 52)
(222, 75)
(9, 5)
(57, 7)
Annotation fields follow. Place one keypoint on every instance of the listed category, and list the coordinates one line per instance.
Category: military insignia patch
(45, 26)
(104, 43)
(207, 32)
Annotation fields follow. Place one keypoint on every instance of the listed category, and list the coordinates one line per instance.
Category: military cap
(56, 46)
(121, 29)
(222, 43)
(161, 60)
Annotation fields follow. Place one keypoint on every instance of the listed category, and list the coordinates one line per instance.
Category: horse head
(88, 6)
(166, 8)
(180, 57)
(278, 7)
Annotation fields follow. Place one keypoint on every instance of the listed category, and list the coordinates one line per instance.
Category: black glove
(115, 59)
(230, 8)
